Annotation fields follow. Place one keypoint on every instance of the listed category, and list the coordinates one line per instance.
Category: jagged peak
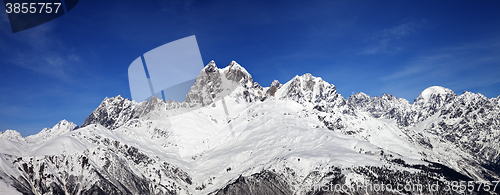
(276, 84)
(388, 96)
(360, 95)
(309, 77)
(306, 76)
(257, 86)
(61, 127)
(307, 88)
(155, 100)
(233, 65)
(116, 97)
(10, 134)
(434, 91)
(65, 122)
(236, 72)
(61, 124)
(308, 82)
(470, 95)
(210, 67)
(112, 99)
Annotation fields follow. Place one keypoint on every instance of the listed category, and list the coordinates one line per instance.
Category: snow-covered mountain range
(300, 137)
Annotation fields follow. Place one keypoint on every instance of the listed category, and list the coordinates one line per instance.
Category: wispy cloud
(422, 64)
(171, 7)
(52, 64)
(397, 32)
(38, 50)
(461, 67)
(385, 41)
(450, 60)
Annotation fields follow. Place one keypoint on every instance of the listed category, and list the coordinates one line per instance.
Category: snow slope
(233, 136)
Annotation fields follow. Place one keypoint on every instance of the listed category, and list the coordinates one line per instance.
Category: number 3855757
(32, 8)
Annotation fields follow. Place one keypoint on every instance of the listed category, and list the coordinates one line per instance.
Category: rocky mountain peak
(387, 106)
(112, 112)
(307, 88)
(388, 96)
(308, 81)
(65, 123)
(60, 128)
(434, 93)
(275, 85)
(11, 135)
(235, 72)
(210, 67)
(430, 101)
(141, 148)
(358, 97)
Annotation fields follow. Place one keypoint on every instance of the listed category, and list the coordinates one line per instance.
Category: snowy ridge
(307, 88)
(13, 143)
(282, 139)
(12, 135)
(435, 93)
(60, 128)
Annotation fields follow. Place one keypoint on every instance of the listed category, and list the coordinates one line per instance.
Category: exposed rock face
(308, 88)
(468, 121)
(112, 113)
(105, 171)
(259, 183)
(300, 137)
(386, 106)
(273, 88)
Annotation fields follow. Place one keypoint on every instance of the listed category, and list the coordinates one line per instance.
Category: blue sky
(63, 69)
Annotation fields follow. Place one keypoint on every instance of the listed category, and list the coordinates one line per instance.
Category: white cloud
(461, 67)
(38, 50)
(385, 41)
(397, 32)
